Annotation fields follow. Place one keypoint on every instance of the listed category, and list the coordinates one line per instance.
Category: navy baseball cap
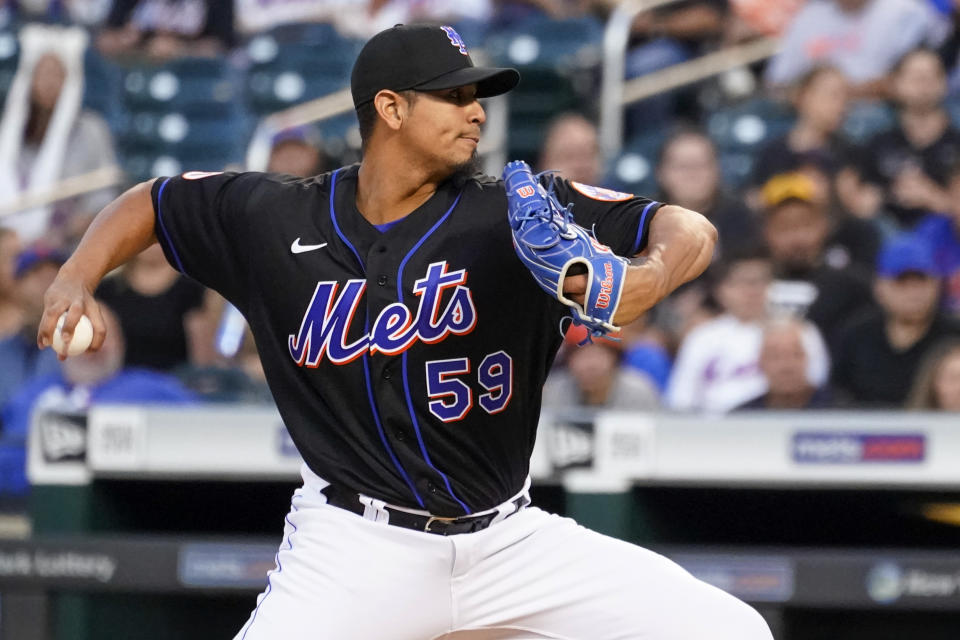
(33, 256)
(425, 58)
(905, 254)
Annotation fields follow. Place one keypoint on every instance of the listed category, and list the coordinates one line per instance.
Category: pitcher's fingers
(575, 284)
(52, 310)
(99, 324)
(69, 324)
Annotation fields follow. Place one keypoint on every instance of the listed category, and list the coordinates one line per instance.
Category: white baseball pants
(340, 576)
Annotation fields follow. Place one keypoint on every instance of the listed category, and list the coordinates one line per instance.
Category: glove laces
(554, 213)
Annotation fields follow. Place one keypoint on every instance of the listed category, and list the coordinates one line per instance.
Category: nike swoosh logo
(296, 247)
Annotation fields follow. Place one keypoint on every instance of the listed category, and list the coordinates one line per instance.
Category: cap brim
(490, 81)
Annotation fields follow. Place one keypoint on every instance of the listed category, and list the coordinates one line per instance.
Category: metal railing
(616, 92)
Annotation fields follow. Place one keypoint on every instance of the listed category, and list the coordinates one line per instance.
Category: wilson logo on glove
(553, 246)
(606, 286)
(526, 192)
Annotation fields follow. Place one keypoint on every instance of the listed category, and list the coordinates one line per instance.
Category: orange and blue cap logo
(455, 39)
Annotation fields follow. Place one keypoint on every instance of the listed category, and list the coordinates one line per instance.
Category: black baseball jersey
(407, 364)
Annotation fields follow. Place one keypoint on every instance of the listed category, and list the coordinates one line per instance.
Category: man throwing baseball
(406, 342)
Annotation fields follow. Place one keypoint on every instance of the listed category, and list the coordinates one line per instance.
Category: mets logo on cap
(455, 39)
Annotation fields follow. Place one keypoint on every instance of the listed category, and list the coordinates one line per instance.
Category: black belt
(350, 501)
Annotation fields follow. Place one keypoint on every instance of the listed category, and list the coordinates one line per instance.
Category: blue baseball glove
(553, 246)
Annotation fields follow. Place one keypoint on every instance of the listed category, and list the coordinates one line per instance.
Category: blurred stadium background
(787, 428)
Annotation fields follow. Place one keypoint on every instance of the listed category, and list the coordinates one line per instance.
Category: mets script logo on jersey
(326, 323)
(599, 193)
(455, 39)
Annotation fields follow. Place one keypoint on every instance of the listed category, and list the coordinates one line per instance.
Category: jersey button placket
(382, 281)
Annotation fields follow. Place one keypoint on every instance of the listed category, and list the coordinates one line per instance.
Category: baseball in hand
(80, 342)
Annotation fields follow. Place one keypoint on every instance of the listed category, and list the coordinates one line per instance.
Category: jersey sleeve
(202, 224)
(619, 220)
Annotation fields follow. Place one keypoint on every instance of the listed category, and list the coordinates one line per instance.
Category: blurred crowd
(835, 281)
(835, 284)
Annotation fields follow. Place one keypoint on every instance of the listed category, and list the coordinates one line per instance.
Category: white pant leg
(340, 577)
(547, 577)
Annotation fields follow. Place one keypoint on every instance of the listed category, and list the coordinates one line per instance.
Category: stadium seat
(271, 89)
(143, 164)
(749, 125)
(634, 169)
(9, 57)
(184, 115)
(953, 108)
(544, 42)
(101, 90)
(200, 86)
(294, 64)
(173, 127)
(157, 140)
(556, 59)
(736, 167)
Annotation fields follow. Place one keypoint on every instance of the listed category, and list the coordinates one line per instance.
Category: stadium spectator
(937, 384)
(647, 348)
(297, 155)
(796, 227)
(664, 37)
(863, 38)
(167, 29)
(88, 379)
(850, 238)
(784, 357)
(359, 18)
(940, 234)
(46, 136)
(86, 13)
(717, 366)
(153, 303)
(364, 18)
(235, 378)
(20, 359)
(254, 16)
(688, 175)
(593, 378)
(10, 313)
(766, 17)
(571, 149)
(909, 163)
(878, 354)
(820, 99)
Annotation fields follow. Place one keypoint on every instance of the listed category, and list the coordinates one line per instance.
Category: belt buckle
(432, 519)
